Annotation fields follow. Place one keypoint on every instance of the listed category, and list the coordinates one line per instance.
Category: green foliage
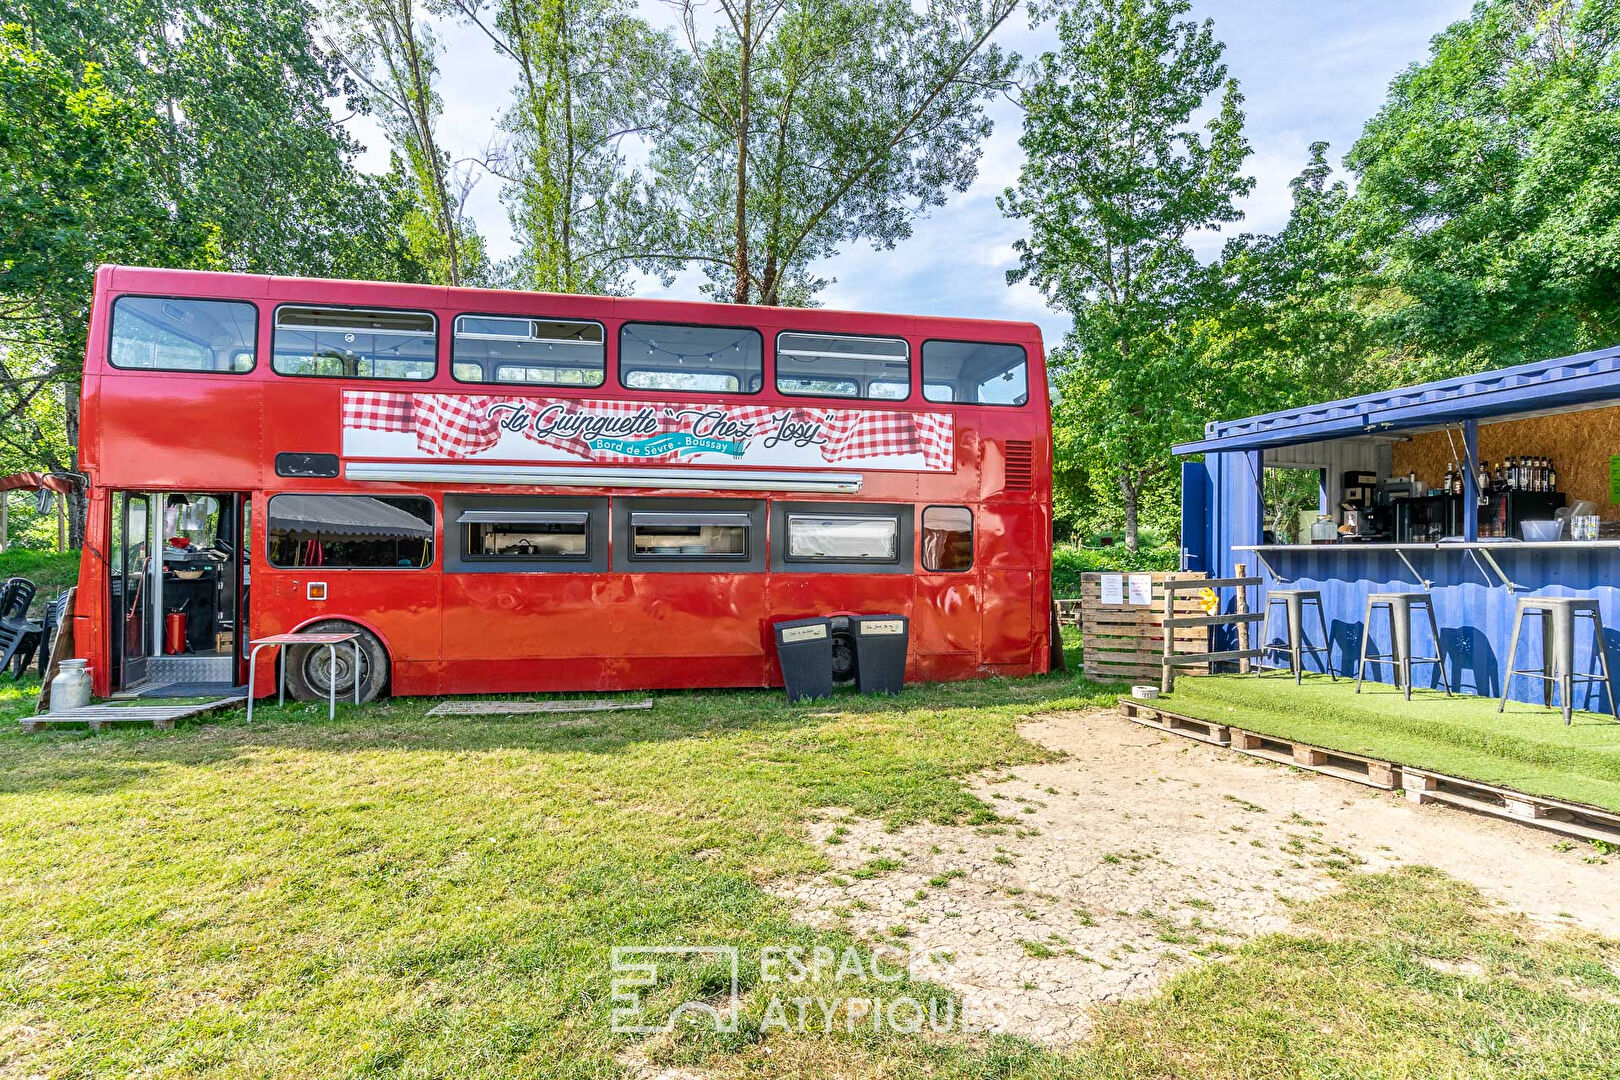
(194, 135)
(781, 141)
(389, 48)
(1488, 193)
(587, 73)
(52, 571)
(1118, 177)
(1069, 561)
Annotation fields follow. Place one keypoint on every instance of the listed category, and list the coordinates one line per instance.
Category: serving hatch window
(843, 538)
(338, 532)
(156, 334)
(843, 365)
(350, 343)
(672, 534)
(526, 535)
(975, 373)
(535, 352)
(703, 359)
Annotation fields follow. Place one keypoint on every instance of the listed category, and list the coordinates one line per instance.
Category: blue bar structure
(1474, 582)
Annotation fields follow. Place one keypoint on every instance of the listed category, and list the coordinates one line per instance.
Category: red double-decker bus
(509, 491)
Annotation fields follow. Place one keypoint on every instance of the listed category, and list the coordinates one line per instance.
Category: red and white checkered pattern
(460, 425)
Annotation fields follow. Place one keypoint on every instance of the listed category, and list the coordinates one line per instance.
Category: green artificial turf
(1526, 748)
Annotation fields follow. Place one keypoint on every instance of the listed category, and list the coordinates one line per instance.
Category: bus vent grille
(1020, 465)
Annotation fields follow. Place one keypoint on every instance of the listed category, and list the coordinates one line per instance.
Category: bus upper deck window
(535, 352)
(156, 334)
(975, 373)
(348, 343)
(703, 359)
(843, 365)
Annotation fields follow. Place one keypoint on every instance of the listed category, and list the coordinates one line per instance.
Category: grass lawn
(1526, 748)
(51, 571)
(391, 895)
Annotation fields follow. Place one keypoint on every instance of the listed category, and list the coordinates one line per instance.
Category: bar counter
(1475, 586)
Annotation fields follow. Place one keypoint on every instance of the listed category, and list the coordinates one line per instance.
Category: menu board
(1141, 589)
(1113, 588)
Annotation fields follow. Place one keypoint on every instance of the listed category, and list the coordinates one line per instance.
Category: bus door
(132, 589)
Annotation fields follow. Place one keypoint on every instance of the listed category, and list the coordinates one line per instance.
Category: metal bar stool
(1558, 615)
(1296, 644)
(1400, 605)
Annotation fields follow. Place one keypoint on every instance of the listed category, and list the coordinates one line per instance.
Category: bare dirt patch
(1142, 853)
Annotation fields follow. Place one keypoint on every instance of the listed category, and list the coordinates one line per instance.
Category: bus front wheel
(311, 671)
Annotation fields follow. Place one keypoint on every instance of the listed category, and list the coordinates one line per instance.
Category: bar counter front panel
(1472, 604)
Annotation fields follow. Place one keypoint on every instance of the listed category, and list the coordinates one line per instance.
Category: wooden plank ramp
(1570, 819)
(96, 717)
(521, 708)
(1174, 723)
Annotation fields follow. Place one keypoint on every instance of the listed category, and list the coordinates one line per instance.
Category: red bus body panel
(451, 632)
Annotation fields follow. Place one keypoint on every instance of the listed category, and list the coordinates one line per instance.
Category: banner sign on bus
(386, 424)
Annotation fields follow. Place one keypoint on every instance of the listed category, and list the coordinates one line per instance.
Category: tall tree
(1287, 314)
(1117, 178)
(192, 134)
(781, 140)
(389, 48)
(581, 97)
(1488, 189)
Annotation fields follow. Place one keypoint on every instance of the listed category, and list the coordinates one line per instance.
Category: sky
(1308, 69)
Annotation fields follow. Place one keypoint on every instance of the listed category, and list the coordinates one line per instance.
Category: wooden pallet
(1384, 775)
(96, 717)
(1570, 819)
(1174, 723)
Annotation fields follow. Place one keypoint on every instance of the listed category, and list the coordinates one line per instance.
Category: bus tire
(307, 665)
(844, 665)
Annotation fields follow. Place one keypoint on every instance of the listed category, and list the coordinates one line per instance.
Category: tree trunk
(76, 502)
(744, 61)
(1130, 489)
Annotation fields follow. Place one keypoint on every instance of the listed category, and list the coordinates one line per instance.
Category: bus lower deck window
(677, 535)
(842, 538)
(947, 542)
(350, 531)
(519, 535)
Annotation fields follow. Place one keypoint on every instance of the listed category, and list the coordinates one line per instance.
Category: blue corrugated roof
(1569, 381)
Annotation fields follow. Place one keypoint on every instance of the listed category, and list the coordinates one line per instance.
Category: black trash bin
(804, 648)
(880, 652)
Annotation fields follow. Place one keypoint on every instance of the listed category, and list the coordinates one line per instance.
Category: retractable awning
(324, 517)
(1547, 386)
